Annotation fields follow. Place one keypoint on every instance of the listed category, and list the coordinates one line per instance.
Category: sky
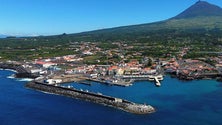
(51, 17)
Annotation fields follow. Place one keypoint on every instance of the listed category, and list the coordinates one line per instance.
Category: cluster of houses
(187, 67)
(74, 64)
(131, 68)
(191, 69)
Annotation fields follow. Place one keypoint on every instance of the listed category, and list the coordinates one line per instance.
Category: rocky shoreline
(180, 76)
(21, 72)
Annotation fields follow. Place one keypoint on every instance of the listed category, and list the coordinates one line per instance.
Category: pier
(157, 81)
(118, 103)
(155, 78)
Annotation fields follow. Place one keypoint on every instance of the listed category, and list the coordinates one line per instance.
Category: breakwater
(93, 97)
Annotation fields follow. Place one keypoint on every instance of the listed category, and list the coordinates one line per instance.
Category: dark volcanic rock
(21, 71)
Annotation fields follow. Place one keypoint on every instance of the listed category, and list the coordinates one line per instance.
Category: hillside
(199, 26)
(201, 16)
(200, 8)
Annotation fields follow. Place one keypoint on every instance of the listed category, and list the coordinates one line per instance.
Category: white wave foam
(19, 79)
(11, 76)
(25, 80)
(10, 70)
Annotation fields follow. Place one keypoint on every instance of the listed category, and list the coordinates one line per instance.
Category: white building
(53, 81)
(45, 64)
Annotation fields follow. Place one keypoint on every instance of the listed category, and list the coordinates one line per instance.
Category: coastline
(167, 106)
(117, 103)
(183, 77)
(12, 70)
(20, 72)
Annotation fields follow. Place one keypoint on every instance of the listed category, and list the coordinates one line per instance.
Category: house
(35, 70)
(87, 53)
(45, 64)
(112, 70)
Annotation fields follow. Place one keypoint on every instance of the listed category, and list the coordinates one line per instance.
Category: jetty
(157, 82)
(155, 78)
(98, 98)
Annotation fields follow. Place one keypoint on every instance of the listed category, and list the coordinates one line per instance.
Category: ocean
(177, 102)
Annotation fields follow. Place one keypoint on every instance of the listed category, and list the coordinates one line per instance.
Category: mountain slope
(191, 27)
(200, 8)
(202, 16)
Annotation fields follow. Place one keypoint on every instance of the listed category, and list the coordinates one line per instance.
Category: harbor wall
(93, 97)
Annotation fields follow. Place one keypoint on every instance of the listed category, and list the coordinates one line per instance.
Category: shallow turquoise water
(177, 103)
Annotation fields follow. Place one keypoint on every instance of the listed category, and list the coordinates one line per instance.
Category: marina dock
(155, 78)
(157, 81)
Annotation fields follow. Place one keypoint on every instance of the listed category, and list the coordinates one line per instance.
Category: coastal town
(111, 62)
(115, 67)
(120, 63)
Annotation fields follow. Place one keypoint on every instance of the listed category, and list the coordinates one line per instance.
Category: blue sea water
(177, 102)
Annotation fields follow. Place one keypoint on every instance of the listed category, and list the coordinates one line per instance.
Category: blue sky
(47, 17)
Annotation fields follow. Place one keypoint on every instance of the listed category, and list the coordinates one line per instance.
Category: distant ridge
(3, 36)
(201, 17)
(200, 8)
